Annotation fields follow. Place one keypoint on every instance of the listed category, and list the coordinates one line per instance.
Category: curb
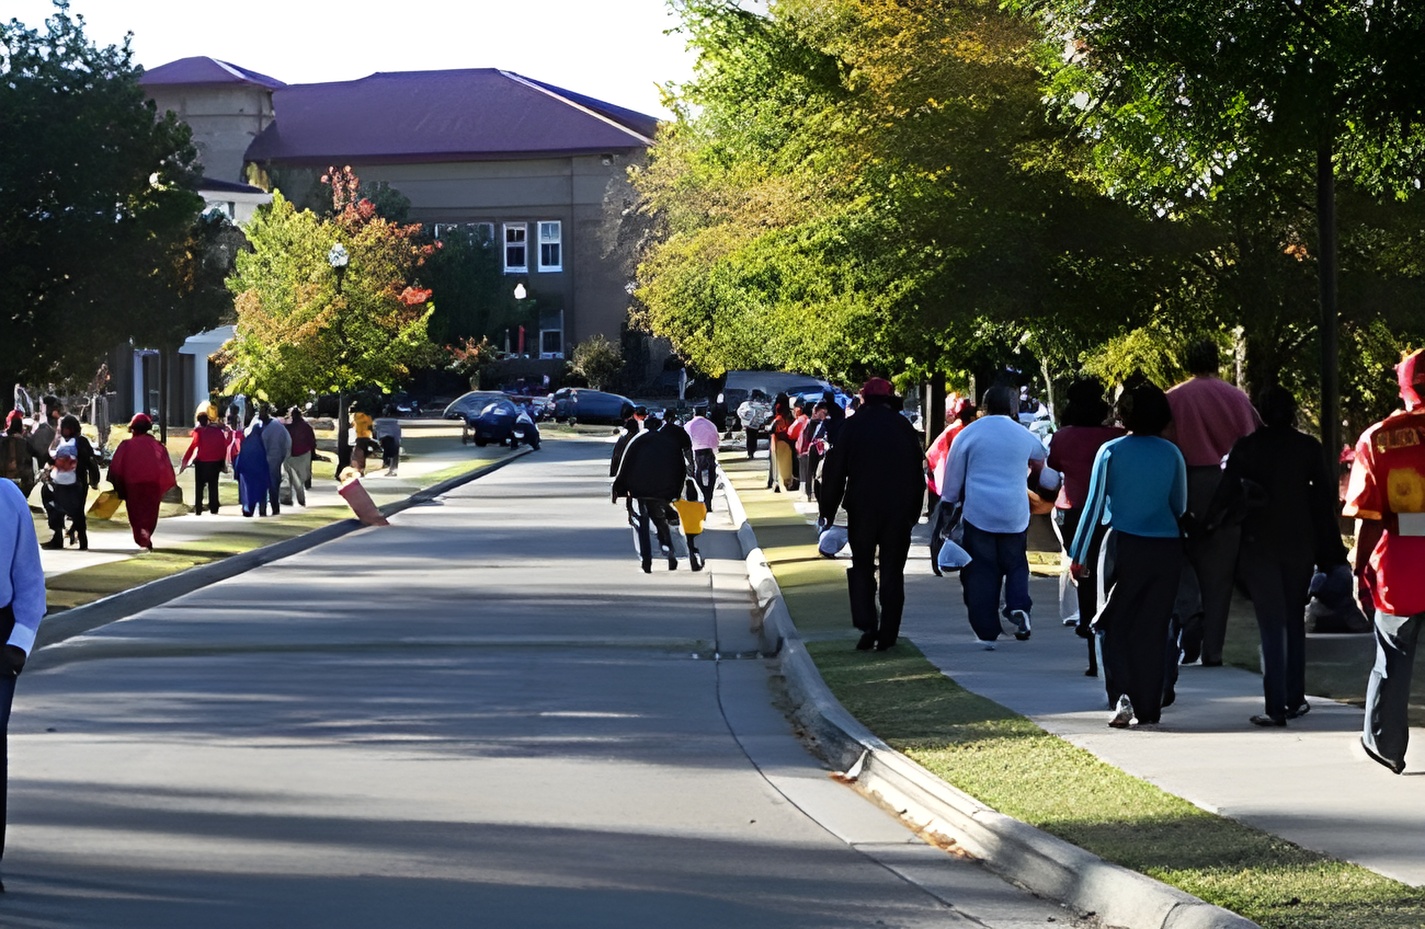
(1041, 863)
(81, 619)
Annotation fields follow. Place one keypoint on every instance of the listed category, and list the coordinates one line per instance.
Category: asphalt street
(484, 714)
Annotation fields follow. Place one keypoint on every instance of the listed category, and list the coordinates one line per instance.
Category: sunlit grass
(1014, 766)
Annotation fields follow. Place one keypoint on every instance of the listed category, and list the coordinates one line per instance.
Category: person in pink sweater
(1209, 416)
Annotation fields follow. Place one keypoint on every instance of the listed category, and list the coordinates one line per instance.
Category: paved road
(484, 714)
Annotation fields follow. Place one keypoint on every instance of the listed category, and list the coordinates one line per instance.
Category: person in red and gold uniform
(1386, 495)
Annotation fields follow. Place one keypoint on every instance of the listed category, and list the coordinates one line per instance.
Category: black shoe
(1267, 721)
(672, 563)
(866, 642)
(55, 544)
(1169, 698)
(885, 646)
(73, 536)
(197, 511)
(648, 567)
(1395, 766)
(1212, 662)
(1299, 711)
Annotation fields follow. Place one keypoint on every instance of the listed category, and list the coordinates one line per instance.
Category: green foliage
(99, 231)
(297, 331)
(860, 186)
(598, 361)
(475, 297)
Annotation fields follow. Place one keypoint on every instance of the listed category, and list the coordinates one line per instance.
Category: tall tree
(303, 325)
(1210, 98)
(96, 201)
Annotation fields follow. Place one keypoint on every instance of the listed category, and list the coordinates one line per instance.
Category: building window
(551, 252)
(516, 247)
(551, 343)
(482, 234)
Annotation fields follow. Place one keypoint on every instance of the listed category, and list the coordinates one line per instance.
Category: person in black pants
(652, 472)
(876, 468)
(1277, 487)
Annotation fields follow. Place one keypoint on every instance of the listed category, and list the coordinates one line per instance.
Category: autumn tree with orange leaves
(302, 329)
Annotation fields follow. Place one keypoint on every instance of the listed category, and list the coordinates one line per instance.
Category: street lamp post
(339, 258)
(520, 294)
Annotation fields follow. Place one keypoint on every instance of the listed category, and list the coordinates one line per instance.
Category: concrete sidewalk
(111, 540)
(1309, 783)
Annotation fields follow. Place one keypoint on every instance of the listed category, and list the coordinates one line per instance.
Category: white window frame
(521, 231)
(551, 233)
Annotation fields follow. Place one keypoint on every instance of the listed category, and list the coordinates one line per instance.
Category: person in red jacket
(142, 473)
(1387, 497)
(207, 454)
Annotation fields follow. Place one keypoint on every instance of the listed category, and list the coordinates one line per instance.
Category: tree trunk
(1330, 319)
(162, 395)
(343, 437)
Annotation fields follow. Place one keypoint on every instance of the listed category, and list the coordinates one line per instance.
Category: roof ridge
(536, 86)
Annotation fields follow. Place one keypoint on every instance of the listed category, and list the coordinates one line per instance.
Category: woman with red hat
(142, 473)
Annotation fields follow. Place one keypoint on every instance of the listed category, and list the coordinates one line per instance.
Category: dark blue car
(495, 422)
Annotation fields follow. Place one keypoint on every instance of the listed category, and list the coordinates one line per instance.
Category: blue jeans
(996, 558)
(1387, 728)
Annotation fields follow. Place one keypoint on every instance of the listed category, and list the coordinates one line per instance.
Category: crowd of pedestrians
(1163, 503)
(270, 459)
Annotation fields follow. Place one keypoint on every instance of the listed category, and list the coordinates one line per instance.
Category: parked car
(584, 405)
(468, 406)
(494, 423)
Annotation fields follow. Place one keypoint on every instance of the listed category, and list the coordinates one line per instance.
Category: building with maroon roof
(532, 165)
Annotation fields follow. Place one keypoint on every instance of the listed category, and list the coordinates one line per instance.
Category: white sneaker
(987, 644)
(1122, 714)
(1021, 624)
(1071, 620)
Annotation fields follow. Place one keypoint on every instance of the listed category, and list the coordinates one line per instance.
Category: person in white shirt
(990, 464)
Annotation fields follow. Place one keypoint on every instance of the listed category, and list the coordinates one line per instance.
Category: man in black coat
(652, 472)
(876, 468)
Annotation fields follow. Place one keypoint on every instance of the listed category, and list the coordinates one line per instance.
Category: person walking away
(364, 443)
(704, 437)
(1072, 451)
(1277, 487)
(299, 463)
(276, 446)
(43, 434)
(387, 430)
(16, 461)
(73, 472)
(22, 607)
(1209, 416)
(142, 473)
(814, 439)
(1138, 488)
(253, 475)
(651, 473)
(755, 413)
(991, 463)
(875, 469)
(207, 455)
(780, 454)
(1386, 496)
(799, 429)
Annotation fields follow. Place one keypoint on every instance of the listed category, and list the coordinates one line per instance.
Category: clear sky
(614, 50)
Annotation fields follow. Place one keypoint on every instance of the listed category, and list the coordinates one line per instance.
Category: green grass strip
(1008, 762)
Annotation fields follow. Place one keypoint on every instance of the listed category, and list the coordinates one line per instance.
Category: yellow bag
(105, 505)
(691, 514)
